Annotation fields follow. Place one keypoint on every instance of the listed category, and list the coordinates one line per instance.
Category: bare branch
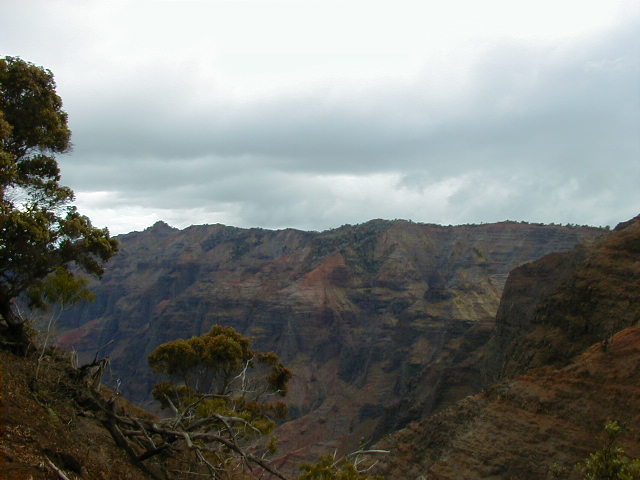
(172, 406)
(366, 452)
(225, 420)
(146, 435)
(187, 439)
(212, 470)
(59, 472)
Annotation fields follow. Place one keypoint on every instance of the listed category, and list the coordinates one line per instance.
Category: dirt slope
(53, 419)
(523, 427)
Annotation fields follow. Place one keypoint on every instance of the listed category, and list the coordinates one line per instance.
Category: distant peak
(623, 225)
(160, 226)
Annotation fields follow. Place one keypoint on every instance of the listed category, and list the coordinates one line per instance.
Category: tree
(220, 364)
(42, 235)
(223, 392)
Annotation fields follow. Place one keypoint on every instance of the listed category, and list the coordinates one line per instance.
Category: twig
(366, 452)
(59, 472)
(95, 359)
(212, 470)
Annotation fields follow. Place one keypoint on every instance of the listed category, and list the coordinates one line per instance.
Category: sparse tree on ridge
(219, 370)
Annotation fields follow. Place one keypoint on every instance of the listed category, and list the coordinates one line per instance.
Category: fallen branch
(212, 437)
(59, 472)
(366, 452)
(150, 441)
(153, 452)
(122, 427)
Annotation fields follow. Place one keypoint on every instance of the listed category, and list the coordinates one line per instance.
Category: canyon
(383, 323)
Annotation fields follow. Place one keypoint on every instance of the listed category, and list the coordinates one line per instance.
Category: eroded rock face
(380, 322)
(555, 307)
(564, 372)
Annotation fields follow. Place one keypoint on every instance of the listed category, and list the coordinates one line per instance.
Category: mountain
(565, 352)
(383, 323)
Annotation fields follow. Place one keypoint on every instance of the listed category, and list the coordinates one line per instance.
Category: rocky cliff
(566, 348)
(554, 308)
(381, 322)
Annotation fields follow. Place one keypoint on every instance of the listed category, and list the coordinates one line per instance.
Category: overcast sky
(313, 114)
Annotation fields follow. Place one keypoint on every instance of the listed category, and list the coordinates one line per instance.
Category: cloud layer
(519, 129)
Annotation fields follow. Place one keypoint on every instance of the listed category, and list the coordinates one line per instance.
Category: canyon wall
(565, 352)
(382, 323)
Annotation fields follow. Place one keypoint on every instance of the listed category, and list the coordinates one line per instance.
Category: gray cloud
(541, 102)
(535, 132)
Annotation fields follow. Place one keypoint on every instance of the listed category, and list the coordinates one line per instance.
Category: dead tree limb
(122, 427)
(59, 472)
(212, 470)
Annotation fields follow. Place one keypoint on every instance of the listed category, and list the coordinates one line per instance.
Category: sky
(314, 114)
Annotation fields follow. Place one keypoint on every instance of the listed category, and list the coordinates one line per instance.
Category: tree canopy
(222, 390)
(42, 235)
(220, 371)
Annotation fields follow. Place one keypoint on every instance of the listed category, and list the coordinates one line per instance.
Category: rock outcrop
(554, 308)
(381, 322)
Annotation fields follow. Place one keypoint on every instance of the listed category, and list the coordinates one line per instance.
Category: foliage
(63, 288)
(218, 376)
(611, 463)
(218, 363)
(41, 234)
(328, 468)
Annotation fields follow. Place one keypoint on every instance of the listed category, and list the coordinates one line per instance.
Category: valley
(382, 323)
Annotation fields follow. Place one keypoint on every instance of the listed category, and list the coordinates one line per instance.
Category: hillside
(554, 308)
(566, 346)
(55, 420)
(58, 422)
(380, 322)
(524, 427)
